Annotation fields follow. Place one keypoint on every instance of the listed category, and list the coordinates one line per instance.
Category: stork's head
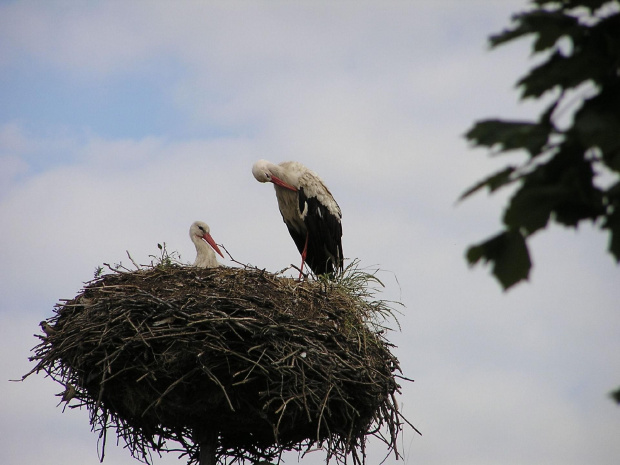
(262, 171)
(265, 171)
(200, 231)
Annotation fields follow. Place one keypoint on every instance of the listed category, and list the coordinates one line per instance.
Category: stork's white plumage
(200, 234)
(309, 211)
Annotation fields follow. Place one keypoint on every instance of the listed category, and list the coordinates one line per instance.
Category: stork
(311, 214)
(200, 235)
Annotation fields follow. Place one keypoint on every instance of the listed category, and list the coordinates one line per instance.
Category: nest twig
(260, 362)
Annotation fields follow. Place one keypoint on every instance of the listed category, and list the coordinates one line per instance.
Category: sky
(121, 123)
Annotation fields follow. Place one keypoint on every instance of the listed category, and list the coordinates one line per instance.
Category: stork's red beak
(281, 183)
(207, 237)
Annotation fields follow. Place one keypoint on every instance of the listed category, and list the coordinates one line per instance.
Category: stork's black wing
(324, 254)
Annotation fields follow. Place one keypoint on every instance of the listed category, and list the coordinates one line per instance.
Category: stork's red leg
(303, 257)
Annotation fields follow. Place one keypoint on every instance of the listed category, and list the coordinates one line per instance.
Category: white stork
(200, 235)
(309, 211)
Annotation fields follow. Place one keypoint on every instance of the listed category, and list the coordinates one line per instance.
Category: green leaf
(613, 224)
(545, 119)
(597, 123)
(558, 70)
(592, 5)
(562, 187)
(510, 135)
(613, 161)
(493, 182)
(549, 26)
(612, 220)
(509, 255)
(531, 207)
(558, 182)
(510, 34)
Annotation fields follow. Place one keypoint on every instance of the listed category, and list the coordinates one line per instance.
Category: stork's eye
(201, 228)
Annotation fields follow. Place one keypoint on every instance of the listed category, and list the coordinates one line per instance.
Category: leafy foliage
(560, 179)
(508, 252)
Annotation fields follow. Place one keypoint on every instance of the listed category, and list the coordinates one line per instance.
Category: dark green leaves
(589, 53)
(597, 123)
(613, 224)
(508, 253)
(558, 71)
(549, 26)
(531, 208)
(562, 187)
(493, 182)
(509, 135)
(612, 220)
(557, 183)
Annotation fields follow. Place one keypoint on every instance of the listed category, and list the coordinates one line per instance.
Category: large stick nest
(261, 362)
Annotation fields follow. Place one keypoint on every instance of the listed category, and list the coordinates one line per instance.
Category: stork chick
(200, 234)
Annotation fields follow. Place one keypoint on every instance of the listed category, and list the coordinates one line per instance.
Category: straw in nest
(231, 364)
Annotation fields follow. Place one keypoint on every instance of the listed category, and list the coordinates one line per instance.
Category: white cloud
(375, 98)
(10, 168)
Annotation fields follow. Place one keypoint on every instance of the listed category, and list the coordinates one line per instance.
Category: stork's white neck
(205, 256)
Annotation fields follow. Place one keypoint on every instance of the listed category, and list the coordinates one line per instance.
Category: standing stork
(311, 214)
(200, 235)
